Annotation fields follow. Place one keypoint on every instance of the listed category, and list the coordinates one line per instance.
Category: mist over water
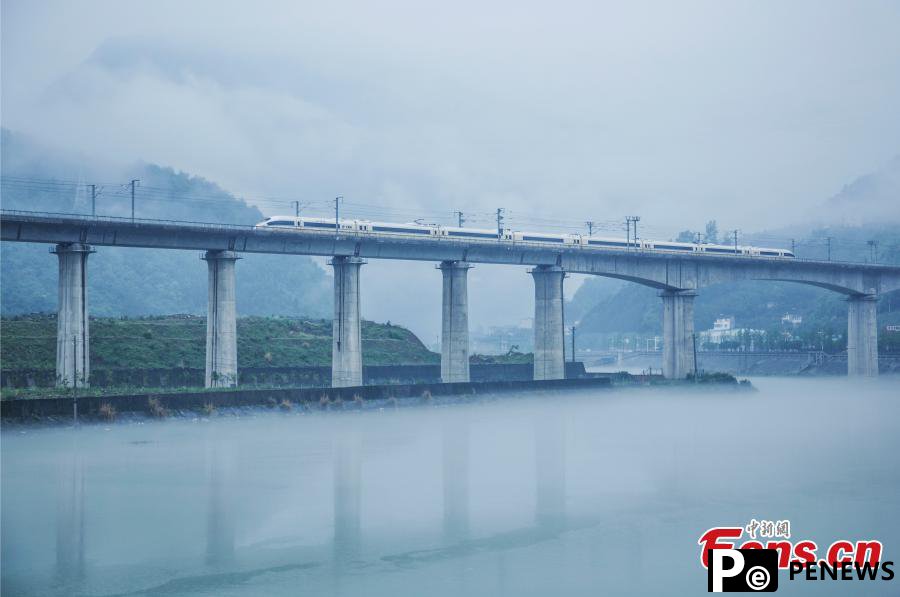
(576, 493)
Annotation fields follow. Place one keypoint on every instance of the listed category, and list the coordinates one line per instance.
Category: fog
(584, 110)
(753, 113)
(570, 493)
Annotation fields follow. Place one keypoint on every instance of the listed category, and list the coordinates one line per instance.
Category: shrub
(157, 409)
(324, 402)
(209, 409)
(108, 411)
(286, 405)
(357, 401)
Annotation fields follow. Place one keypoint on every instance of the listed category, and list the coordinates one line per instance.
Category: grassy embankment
(29, 342)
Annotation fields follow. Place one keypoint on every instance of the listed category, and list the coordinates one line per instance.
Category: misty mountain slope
(871, 198)
(141, 281)
(606, 306)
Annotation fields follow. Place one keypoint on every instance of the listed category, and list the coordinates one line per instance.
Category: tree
(712, 232)
(685, 236)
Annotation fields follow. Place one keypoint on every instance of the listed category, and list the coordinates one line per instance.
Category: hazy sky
(749, 112)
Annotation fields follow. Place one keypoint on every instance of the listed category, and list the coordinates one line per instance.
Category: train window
(543, 239)
(279, 223)
(471, 234)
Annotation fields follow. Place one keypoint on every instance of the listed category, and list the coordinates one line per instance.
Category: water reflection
(221, 517)
(519, 497)
(550, 470)
(347, 497)
(70, 523)
(455, 452)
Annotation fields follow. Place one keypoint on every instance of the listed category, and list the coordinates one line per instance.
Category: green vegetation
(139, 282)
(510, 358)
(29, 342)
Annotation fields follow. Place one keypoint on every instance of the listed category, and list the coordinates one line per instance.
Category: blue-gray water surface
(582, 493)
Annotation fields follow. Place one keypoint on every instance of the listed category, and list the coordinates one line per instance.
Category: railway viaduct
(677, 277)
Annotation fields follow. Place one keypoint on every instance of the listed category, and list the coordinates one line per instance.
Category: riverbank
(238, 401)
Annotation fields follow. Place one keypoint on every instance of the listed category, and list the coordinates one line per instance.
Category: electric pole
(296, 208)
(629, 220)
(500, 222)
(735, 240)
(337, 213)
(133, 182)
(75, 378)
(573, 343)
(828, 245)
(873, 250)
(460, 220)
(93, 200)
(794, 247)
(590, 227)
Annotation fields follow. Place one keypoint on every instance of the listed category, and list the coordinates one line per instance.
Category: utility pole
(296, 208)
(500, 222)
(873, 250)
(694, 340)
(590, 227)
(735, 240)
(635, 220)
(133, 181)
(828, 244)
(337, 213)
(794, 247)
(573, 343)
(460, 220)
(75, 378)
(629, 220)
(93, 200)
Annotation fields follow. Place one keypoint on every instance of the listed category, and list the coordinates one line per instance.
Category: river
(581, 493)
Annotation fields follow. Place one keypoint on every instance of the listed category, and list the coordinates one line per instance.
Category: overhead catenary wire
(110, 192)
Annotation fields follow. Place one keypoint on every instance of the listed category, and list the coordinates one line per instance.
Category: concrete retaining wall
(277, 376)
(89, 406)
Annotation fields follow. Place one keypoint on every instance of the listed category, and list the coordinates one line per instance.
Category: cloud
(749, 113)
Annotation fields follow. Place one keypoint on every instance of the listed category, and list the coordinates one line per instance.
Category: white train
(368, 227)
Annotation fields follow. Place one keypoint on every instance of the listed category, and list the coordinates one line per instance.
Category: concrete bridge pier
(862, 336)
(678, 333)
(221, 321)
(72, 334)
(455, 322)
(549, 338)
(346, 347)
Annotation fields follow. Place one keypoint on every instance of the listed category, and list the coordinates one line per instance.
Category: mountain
(873, 197)
(603, 307)
(130, 282)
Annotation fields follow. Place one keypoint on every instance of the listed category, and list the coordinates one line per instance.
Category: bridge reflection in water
(521, 496)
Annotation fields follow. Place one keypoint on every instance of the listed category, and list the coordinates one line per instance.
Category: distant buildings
(791, 321)
(725, 334)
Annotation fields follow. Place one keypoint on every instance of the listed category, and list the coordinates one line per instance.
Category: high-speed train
(368, 227)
